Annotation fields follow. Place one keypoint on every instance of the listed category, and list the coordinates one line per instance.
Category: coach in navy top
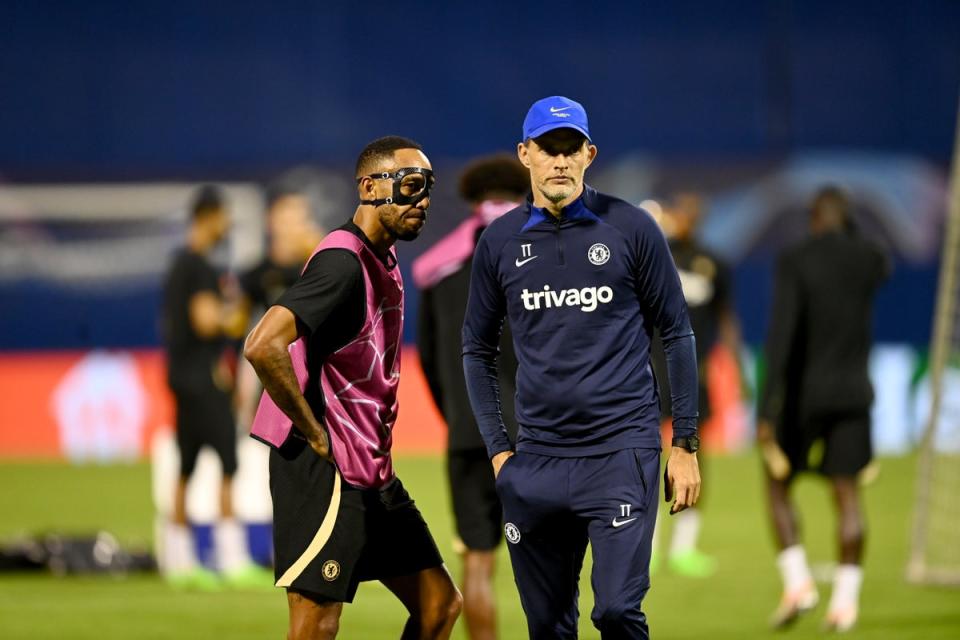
(584, 278)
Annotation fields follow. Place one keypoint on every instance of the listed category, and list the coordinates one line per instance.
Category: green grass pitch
(734, 603)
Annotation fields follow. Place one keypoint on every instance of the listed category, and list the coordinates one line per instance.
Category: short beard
(407, 236)
(557, 197)
(393, 229)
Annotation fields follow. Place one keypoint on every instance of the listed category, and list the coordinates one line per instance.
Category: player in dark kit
(584, 278)
(493, 186)
(818, 390)
(328, 354)
(707, 288)
(196, 323)
(291, 238)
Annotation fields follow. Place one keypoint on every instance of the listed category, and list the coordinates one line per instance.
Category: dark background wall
(110, 90)
(113, 91)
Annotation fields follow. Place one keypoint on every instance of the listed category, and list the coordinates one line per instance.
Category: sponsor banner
(82, 406)
(106, 406)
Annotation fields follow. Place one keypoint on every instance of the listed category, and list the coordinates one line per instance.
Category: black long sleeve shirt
(819, 339)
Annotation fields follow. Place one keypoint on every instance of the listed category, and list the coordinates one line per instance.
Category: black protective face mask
(410, 185)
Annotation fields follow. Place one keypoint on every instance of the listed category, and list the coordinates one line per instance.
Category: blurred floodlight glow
(652, 207)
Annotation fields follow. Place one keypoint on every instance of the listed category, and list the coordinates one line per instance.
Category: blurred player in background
(817, 397)
(708, 290)
(584, 278)
(492, 185)
(197, 320)
(292, 235)
(328, 354)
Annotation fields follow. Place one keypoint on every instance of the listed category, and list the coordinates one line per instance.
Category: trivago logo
(586, 298)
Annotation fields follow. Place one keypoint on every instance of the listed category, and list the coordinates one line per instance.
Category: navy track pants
(552, 507)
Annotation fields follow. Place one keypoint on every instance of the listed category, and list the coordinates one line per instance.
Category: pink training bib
(359, 381)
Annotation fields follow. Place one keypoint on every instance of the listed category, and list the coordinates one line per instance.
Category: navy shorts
(552, 507)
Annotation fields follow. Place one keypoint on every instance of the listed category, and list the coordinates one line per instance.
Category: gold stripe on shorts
(320, 539)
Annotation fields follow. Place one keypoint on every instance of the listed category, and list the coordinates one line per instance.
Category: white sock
(846, 587)
(686, 530)
(180, 556)
(794, 568)
(230, 540)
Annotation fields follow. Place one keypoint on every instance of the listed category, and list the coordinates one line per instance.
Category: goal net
(935, 553)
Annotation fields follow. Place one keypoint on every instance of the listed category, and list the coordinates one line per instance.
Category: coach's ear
(591, 154)
(523, 153)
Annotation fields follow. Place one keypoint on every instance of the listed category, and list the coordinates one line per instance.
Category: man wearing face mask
(584, 279)
(328, 355)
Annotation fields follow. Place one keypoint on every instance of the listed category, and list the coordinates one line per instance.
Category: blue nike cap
(555, 112)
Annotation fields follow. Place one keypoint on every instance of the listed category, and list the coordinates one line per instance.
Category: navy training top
(583, 293)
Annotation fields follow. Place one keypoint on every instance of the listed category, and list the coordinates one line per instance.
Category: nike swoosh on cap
(558, 109)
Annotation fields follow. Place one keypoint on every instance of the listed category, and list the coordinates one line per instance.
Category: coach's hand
(498, 461)
(681, 480)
